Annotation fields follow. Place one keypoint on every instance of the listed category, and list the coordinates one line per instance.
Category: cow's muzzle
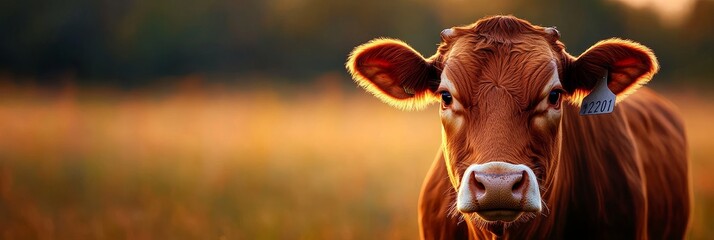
(498, 191)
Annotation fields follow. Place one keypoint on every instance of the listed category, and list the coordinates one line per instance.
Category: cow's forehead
(522, 68)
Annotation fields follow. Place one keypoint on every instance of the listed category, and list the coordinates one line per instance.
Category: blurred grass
(195, 162)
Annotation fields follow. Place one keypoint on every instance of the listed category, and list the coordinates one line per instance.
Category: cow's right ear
(395, 73)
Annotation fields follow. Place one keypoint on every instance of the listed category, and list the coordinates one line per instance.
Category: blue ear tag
(600, 100)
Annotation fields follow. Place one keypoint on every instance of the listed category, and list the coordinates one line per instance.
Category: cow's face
(501, 84)
(501, 99)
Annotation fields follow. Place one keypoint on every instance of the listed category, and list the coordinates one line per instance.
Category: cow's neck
(594, 176)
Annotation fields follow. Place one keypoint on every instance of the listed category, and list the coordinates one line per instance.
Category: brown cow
(517, 160)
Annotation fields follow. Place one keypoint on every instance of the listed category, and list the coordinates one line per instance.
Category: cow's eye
(446, 98)
(554, 97)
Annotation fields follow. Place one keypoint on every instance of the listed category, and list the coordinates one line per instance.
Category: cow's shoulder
(655, 114)
(658, 131)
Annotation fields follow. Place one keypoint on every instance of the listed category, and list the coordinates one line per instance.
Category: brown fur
(617, 175)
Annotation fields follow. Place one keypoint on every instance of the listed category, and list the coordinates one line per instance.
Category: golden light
(672, 12)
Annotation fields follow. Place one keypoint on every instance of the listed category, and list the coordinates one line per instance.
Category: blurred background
(219, 119)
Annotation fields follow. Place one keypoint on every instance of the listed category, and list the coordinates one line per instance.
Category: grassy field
(214, 163)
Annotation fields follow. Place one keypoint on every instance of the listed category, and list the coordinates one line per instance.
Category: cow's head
(502, 84)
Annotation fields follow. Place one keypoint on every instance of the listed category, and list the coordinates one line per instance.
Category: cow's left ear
(395, 73)
(629, 65)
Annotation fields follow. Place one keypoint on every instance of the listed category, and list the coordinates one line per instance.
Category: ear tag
(600, 100)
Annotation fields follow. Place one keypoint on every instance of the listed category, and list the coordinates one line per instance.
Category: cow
(518, 158)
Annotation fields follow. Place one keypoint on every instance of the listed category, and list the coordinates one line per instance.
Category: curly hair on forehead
(500, 29)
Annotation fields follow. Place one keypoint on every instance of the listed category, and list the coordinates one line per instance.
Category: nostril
(520, 182)
(480, 186)
(477, 186)
(517, 185)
